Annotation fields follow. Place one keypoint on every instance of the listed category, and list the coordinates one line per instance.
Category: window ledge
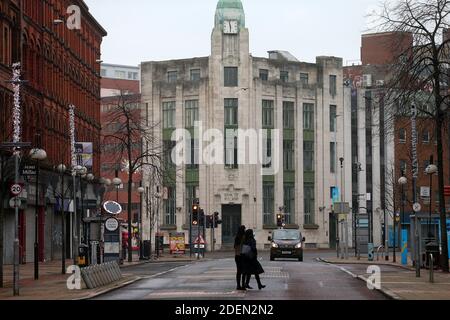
(270, 227)
(168, 227)
(311, 227)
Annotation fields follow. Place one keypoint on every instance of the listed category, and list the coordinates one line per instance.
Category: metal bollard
(431, 268)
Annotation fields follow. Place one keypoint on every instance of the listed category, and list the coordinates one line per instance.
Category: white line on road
(321, 284)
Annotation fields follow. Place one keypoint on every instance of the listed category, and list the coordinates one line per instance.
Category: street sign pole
(16, 231)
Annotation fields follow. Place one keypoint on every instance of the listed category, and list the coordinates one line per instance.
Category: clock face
(230, 27)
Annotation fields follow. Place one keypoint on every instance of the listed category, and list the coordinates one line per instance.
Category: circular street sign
(16, 189)
(112, 207)
(112, 224)
(15, 202)
(417, 207)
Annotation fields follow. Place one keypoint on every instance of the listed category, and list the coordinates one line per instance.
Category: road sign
(417, 207)
(16, 189)
(112, 224)
(15, 202)
(28, 170)
(342, 208)
(199, 240)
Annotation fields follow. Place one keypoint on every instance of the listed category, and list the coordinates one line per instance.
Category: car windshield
(286, 235)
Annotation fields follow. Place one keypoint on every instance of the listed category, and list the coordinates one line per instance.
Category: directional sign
(15, 202)
(417, 207)
(16, 189)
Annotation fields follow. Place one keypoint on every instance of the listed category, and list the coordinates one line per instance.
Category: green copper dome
(230, 10)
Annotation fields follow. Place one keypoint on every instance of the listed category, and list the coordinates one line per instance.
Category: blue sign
(404, 247)
(335, 194)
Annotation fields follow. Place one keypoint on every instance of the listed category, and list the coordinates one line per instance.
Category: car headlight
(274, 245)
(298, 246)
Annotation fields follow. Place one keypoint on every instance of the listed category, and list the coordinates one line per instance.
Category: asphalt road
(215, 280)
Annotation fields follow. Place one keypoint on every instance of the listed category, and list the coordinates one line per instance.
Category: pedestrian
(251, 265)
(238, 242)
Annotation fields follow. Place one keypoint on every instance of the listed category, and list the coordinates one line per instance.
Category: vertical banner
(404, 247)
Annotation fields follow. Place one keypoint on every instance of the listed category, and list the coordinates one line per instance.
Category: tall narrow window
(288, 115)
(231, 112)
(289, 203)
(284, 76)
(269, 203)
(333, 118)
(191, 109)
(169, 109)
(192, 154)
(308, 156)
(402, 135)
(308, 116)
(309, 204)
(230, 76)
(169, 207)
(332, 157)
(231, 139)
(333, 85)
(288, 155)
(267, 153)
(267, 114)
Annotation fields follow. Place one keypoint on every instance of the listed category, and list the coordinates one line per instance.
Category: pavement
(398, 282)
(52, 284)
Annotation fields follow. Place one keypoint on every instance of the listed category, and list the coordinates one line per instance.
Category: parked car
(286, 244)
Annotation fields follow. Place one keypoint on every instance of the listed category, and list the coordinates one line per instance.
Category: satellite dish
(112, 207)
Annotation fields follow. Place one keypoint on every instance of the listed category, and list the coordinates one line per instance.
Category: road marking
(321, 284)
(286, 286)
(162, 273)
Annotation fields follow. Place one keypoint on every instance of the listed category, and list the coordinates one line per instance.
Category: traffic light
(201, 218)
(447, 191)
(217, 220)
(280, 220)
(195, 212)
(209, 222)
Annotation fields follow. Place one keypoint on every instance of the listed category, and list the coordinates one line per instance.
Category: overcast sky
(145, 30)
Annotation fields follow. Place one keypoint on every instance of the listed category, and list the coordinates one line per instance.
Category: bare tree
(420, 75)
(128, 143)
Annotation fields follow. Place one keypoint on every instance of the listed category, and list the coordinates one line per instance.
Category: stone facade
(238, 194)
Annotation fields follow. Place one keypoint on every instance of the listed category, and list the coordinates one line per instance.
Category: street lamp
(62, 169)
(117, 182)
(402, 182)
(141, 191)
(430, 170)
(38, 155)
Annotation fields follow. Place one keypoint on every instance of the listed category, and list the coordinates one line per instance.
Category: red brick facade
(61, 67)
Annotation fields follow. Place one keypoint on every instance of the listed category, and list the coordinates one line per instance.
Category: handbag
(247, 251)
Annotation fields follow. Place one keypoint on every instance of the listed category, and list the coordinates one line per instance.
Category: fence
(100, 275)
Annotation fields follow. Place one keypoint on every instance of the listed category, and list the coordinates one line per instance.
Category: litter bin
(146, 250)
(432, 247)
(83, 254)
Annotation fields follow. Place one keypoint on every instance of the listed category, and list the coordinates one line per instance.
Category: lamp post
(141, 191)
(62, 169)
(402, 182)
(117, 182)
(430, 170)
(89, 178)
(38, 155)
(75, 170)
(82, 174)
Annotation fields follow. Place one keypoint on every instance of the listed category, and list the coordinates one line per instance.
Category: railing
(378, 252)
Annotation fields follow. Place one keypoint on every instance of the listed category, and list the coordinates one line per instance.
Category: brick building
(381, 142)
(61, 67)
(120, 85)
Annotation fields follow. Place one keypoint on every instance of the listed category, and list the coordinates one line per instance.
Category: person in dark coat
(250, 261)
(238, 241)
